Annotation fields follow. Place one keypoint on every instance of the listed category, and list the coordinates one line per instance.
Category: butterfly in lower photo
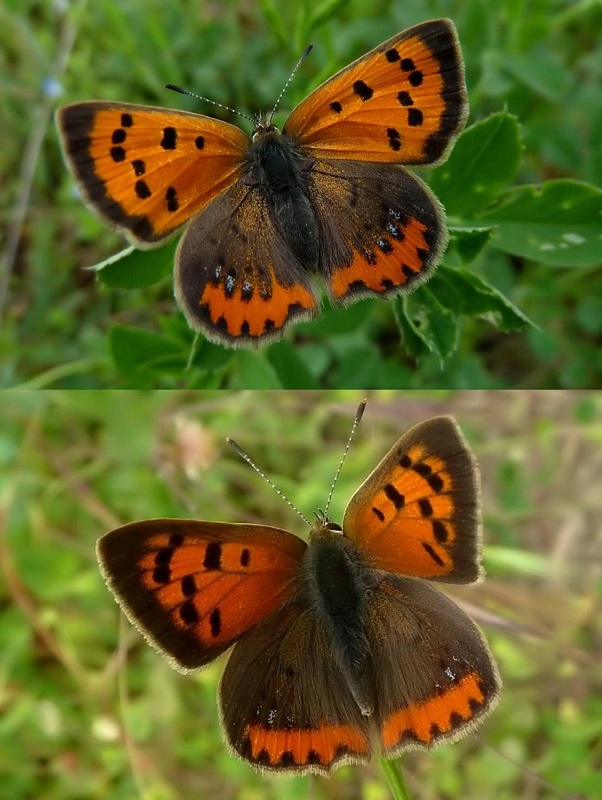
(324, 199)
(340, 645)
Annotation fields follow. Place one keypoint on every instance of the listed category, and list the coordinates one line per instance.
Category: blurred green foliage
(517, 299)
(90, 711)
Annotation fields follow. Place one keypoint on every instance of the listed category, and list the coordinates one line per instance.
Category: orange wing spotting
(324, 745)
(430, 719)
(265, 313)
(405, 101)
(404, 497)
(235, 277)
(206, 576)
(193, 588)
(418, 513)
(149, 170)
(385, 230)
(396, 261)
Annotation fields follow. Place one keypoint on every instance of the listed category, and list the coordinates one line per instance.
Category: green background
(517, 301)
(90, 711)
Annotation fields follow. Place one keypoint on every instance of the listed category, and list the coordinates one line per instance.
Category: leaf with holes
(557, 223)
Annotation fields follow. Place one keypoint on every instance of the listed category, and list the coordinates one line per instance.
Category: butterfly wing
(418, 513)
(382, 229)
(147, 170)
(434, 676)
(284, 703)
(236, 278)
(193, 588)
(405, 101)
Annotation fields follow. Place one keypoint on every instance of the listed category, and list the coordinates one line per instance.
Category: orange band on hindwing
(431, 719)
(246, 311)
(396, 258)
(323, 746)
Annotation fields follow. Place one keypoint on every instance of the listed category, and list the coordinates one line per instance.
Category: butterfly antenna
(179, 89)
(238, 449)
(358, 415)
(304, 55)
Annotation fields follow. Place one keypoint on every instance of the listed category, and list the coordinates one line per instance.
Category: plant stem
(395, 779)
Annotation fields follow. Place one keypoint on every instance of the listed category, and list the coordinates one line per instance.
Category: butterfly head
(324, 525)
(262, 127)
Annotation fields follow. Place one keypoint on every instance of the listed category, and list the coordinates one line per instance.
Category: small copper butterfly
(339, 643)
(323, 197)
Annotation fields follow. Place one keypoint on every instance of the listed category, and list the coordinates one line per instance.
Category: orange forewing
(418, 513)
(149, 170)
(404, 101)
(193, 588)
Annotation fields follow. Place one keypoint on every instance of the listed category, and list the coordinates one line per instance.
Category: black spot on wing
(435, 556)
(142, 190)
(169, 139)
(363, 90)
(213, 556)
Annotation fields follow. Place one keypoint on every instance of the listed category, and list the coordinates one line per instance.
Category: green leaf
(138, 353)
(432, 326)
(541, 72)
(469, 242)
(437, 323)
(362, 367)
(334, 321)
(484, 160)
(324, 11)
(588, 313)
(558, 222)
(137, 269)
(210, 356)
(274, 20)
(290, 368)
(463, 292)
(252, 370)
(415, 344)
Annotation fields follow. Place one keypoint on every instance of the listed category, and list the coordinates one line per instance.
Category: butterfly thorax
(276, 167)
(338, 583)
(276, 163)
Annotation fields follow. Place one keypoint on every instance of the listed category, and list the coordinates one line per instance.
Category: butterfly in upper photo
(276, 218)
(340, 645)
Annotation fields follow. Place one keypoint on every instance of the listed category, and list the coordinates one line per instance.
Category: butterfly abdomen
(279, 171)
(337, 584)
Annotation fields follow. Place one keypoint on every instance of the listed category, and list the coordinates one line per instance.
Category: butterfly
(339, 643)
(322, 199)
